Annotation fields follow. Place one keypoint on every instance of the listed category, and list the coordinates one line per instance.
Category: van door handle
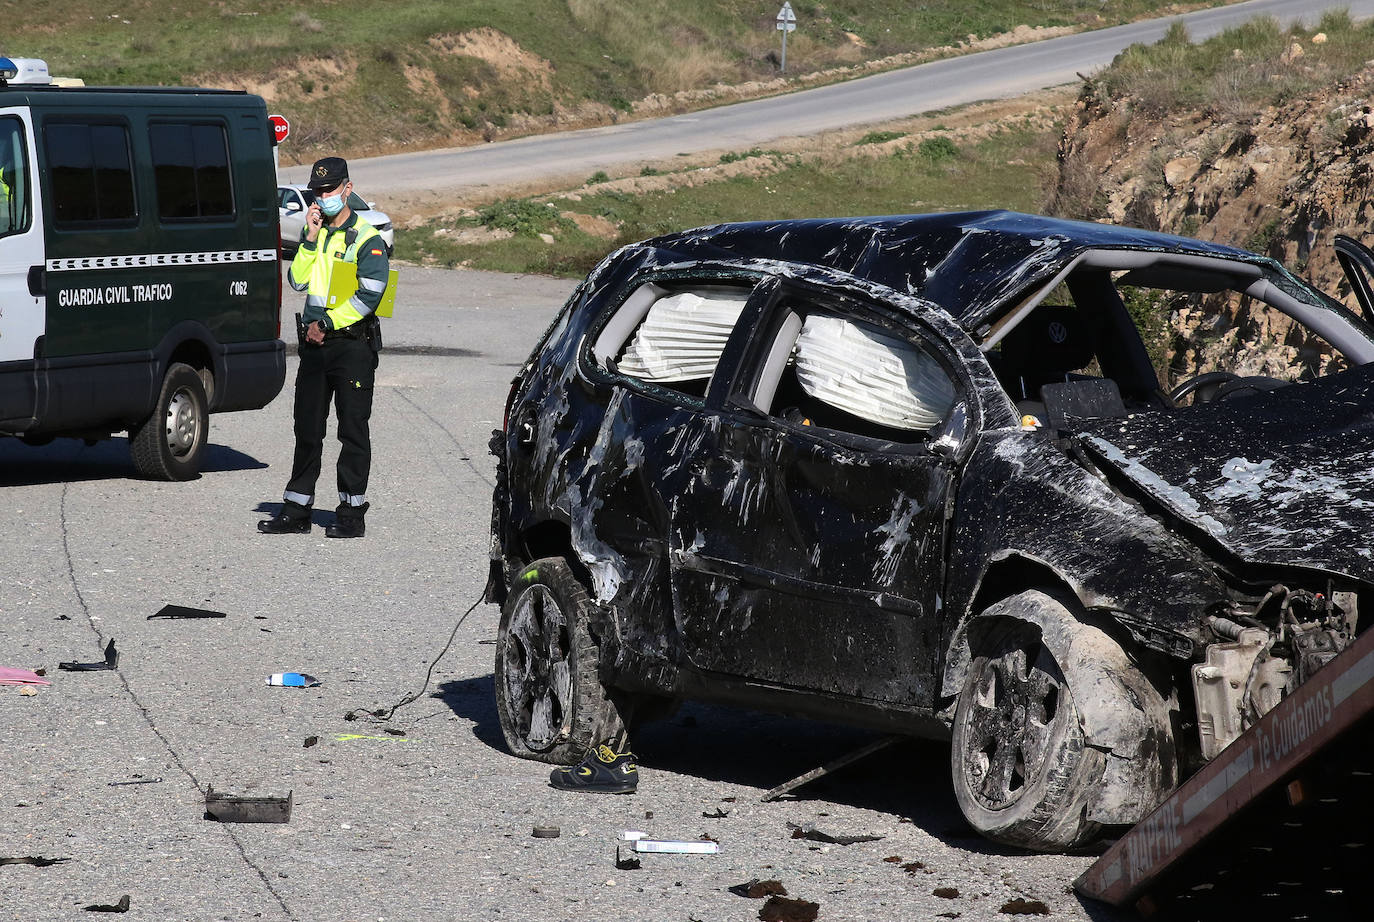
(38, 281)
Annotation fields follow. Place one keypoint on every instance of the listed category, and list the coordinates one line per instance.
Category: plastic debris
(807, 831)
(181, 611)
(12, 676)
(757, 889)
(35, 860)
(121, 906)
(28, 691)
(229, 808)
(111, 662)
(631, 835)
(626, 864)
(293, 680)
(546, 831)
(671, 847)
(716, 814)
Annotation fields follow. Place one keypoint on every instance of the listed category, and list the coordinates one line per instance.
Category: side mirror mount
(950, 436)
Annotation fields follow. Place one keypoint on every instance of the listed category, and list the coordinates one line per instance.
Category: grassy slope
(360, 76)
(1010, 169)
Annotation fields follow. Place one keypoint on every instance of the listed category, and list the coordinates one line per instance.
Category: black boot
(292, 520)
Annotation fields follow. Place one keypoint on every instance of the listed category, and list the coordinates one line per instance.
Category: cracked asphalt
(108, 770)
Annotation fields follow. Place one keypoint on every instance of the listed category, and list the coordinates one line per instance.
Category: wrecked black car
(920, 474)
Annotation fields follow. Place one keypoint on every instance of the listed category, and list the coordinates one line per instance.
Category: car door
(23, 304)
(657, 350)
(807, 545)
(292, 208)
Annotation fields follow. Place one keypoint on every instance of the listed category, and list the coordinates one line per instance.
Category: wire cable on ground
(386, 713)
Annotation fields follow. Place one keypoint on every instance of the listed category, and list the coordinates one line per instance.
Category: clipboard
(343, 284)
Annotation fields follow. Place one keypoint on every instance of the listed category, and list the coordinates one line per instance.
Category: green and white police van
(140, 287)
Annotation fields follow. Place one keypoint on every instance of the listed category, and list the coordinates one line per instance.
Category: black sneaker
(283, 524)
(600, 772)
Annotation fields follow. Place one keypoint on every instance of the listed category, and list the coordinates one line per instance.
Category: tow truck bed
(1283, 815)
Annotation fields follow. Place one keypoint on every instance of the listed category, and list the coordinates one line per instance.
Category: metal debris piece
(546, 831)
(807, 831)
(111, 661)
(137, 779)
(671, 847)
(121, 906)
(35, 860)
(181, 611)
(828, 767)
(757, 889)
(228, 808)
(783, 909)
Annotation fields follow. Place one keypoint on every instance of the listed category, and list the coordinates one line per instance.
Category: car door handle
(38, 281)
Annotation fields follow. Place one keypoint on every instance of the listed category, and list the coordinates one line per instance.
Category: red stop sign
(280, 126)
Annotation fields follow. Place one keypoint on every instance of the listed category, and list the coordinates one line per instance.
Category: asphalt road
(403, 181)
(432, 825)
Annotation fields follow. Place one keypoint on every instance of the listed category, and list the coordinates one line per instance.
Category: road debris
(137, 779)
(181, 611)
(310, 741)
(111, 661)
(121, 906)
(12, 676)
(293, 680)
(945, 893)
(716, 814)
(1020, 907)
(626, 864)
(807, 831)
(671, 847)
(546, 831)
(34, 860)
(757, 889)
(783, 909)
(229, 808)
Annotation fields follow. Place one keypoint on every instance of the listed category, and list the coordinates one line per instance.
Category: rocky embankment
(1283, 180)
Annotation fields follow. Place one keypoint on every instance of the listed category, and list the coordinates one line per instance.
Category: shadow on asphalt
(475, 700)
(910, 779)
(72, 460)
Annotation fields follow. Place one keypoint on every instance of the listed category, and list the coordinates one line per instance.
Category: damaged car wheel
(1022, 774)
(549, 698)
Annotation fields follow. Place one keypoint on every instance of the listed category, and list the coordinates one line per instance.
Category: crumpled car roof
(967, 262)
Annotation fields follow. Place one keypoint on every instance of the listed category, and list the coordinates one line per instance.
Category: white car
(294, 200)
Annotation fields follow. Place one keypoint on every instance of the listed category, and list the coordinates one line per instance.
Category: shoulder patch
(376, 252)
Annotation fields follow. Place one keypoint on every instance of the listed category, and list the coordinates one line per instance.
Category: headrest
(1054, 339)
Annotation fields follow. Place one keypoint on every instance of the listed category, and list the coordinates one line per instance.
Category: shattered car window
(681, 336)
(850, 376)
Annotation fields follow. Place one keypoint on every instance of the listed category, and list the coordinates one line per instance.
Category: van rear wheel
(170, 443)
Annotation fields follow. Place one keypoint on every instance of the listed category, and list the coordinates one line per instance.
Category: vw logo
(1058, 333)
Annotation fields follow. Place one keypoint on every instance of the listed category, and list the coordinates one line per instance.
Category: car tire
(170, 443)
(1022, 774)
(549, 697)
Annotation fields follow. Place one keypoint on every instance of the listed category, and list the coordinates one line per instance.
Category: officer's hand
(314, 333)
(314, 219)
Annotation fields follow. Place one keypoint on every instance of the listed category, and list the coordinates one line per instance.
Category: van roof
(140, 90)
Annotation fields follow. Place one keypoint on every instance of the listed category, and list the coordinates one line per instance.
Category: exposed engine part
(1219, 684)
(1252, 669)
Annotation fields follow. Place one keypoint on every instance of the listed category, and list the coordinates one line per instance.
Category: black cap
(328, 173)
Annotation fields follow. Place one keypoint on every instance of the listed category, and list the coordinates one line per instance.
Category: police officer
(338, 354)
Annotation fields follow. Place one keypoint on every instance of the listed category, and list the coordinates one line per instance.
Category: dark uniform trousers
(343, 367)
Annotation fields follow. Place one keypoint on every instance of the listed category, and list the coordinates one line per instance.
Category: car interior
(1071, 349)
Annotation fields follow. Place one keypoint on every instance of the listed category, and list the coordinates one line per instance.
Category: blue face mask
(332, 205)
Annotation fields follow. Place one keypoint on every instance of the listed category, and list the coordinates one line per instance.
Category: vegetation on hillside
(362, 77)
(1009, 169)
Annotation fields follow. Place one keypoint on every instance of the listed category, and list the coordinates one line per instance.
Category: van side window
(14, 178)
(191, 166)
(92, 182)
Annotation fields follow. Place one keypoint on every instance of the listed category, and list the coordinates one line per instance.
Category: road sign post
(787, 22)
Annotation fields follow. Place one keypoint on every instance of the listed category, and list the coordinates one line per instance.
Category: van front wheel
(169, 444)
